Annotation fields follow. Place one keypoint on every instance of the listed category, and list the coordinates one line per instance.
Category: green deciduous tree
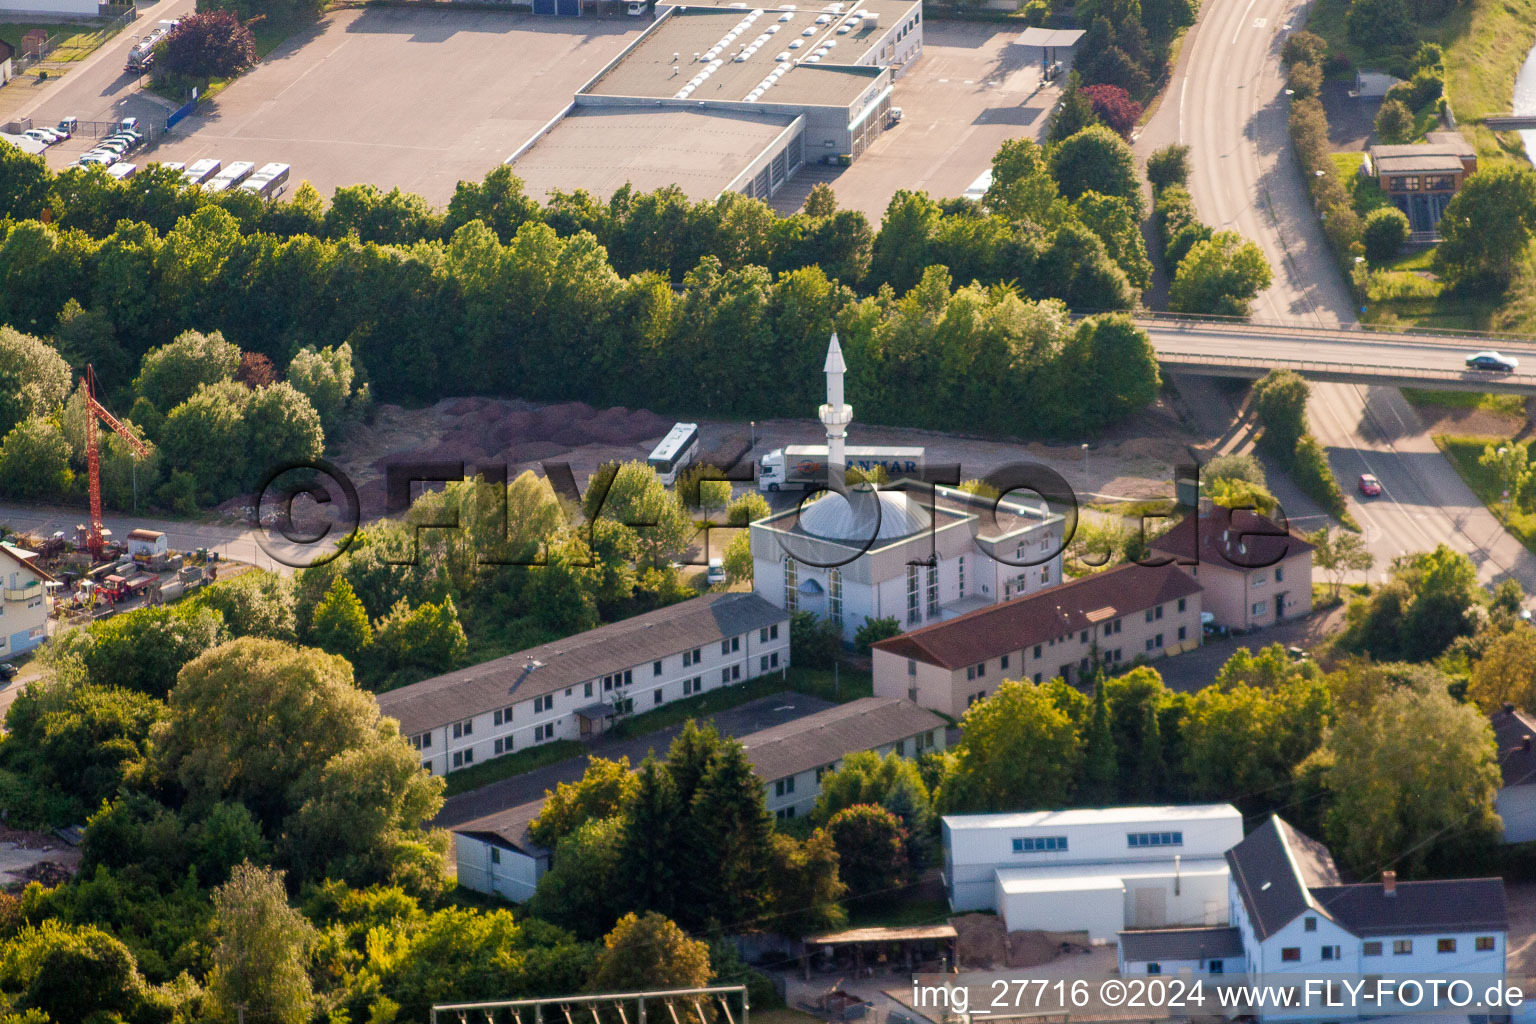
(325, 378)
(34, 378)
(1280, 399)
(807, 889)
(1394, 122)
(254, 603)
(428, 636)
(583, 890)
(604, 790)
(1096, 160)
(1412, 806)
(1017, 750)
(652, 952)
(1338, 552)
(1219, 276)
(1506, 671)
(340, 622)
(871, 850)
(145, 649)
(172, 373)
(1385, 233)
(34, 462)
(260, 958)
(737, 560)
(1486, 227)
(1168, 166)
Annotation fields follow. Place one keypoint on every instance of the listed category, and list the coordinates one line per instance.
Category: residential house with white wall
(1099, 870)
(1299, 922)
(572, 688)
(25, 601)
(495, 855)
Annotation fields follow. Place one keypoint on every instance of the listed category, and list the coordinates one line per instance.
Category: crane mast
(94, 409)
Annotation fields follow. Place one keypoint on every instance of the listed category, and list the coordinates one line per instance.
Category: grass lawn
(1485, 43)
(1508, 405)
(1463, 453)
(525, 760)
(80, 38)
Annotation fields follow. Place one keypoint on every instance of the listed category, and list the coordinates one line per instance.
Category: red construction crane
(93, 409)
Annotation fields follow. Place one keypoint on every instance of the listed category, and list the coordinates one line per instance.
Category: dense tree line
(644, 300)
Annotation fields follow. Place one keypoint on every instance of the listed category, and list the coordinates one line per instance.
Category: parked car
(42, 135)
(716, 572)
(128, 124)
(67, 126)
(1369, 485)
(1492, 361)
(8, 671)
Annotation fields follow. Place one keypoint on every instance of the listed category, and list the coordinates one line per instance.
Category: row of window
(1141, 839)
(1432, 183)
(1211, 966)
(1400, 947)
(1040, 844)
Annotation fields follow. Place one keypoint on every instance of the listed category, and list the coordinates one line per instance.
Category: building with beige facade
(1110, 618)
(1253, 573)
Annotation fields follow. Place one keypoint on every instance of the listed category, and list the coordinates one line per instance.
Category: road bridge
(1352, 355)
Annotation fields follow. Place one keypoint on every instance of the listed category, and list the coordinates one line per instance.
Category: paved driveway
(1197, 669)
(520, 789)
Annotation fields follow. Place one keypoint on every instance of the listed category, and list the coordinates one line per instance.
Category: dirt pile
(981, 941)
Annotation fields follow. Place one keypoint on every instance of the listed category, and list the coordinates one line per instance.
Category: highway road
(1352, 355)
(1226, 102)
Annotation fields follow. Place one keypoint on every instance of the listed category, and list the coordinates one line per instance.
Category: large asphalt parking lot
(421, 99)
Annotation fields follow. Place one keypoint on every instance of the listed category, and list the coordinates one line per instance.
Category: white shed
(146, 543)
(495, 855)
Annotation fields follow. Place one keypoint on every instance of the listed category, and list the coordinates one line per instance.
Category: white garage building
(1095, 870)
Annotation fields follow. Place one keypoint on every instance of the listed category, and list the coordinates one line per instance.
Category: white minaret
(835, 415)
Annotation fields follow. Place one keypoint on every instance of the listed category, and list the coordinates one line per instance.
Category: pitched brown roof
(1009, 625)
(790, 748)
(27, 560)
(1235, 538)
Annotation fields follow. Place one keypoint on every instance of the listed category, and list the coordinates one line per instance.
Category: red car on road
(1369, 485)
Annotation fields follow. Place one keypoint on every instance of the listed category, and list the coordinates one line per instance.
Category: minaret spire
(835, 415)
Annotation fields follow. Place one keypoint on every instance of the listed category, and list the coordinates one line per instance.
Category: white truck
(799, 466)
(142, 55)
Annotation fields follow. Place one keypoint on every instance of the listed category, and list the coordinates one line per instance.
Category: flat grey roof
(480, 689)
(601, 148)
(1050, 36)
(684, 36)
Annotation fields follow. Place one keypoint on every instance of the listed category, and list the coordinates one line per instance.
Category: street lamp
(754, 435)
(1086, 482)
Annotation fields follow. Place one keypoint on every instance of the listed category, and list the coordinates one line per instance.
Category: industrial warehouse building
(572, 688)
(1095, 870)
(496, 855)
(722, 98)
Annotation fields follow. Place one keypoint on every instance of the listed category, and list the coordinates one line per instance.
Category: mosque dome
(852, 520)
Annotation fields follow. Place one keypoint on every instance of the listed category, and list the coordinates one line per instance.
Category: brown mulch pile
(981, 941)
